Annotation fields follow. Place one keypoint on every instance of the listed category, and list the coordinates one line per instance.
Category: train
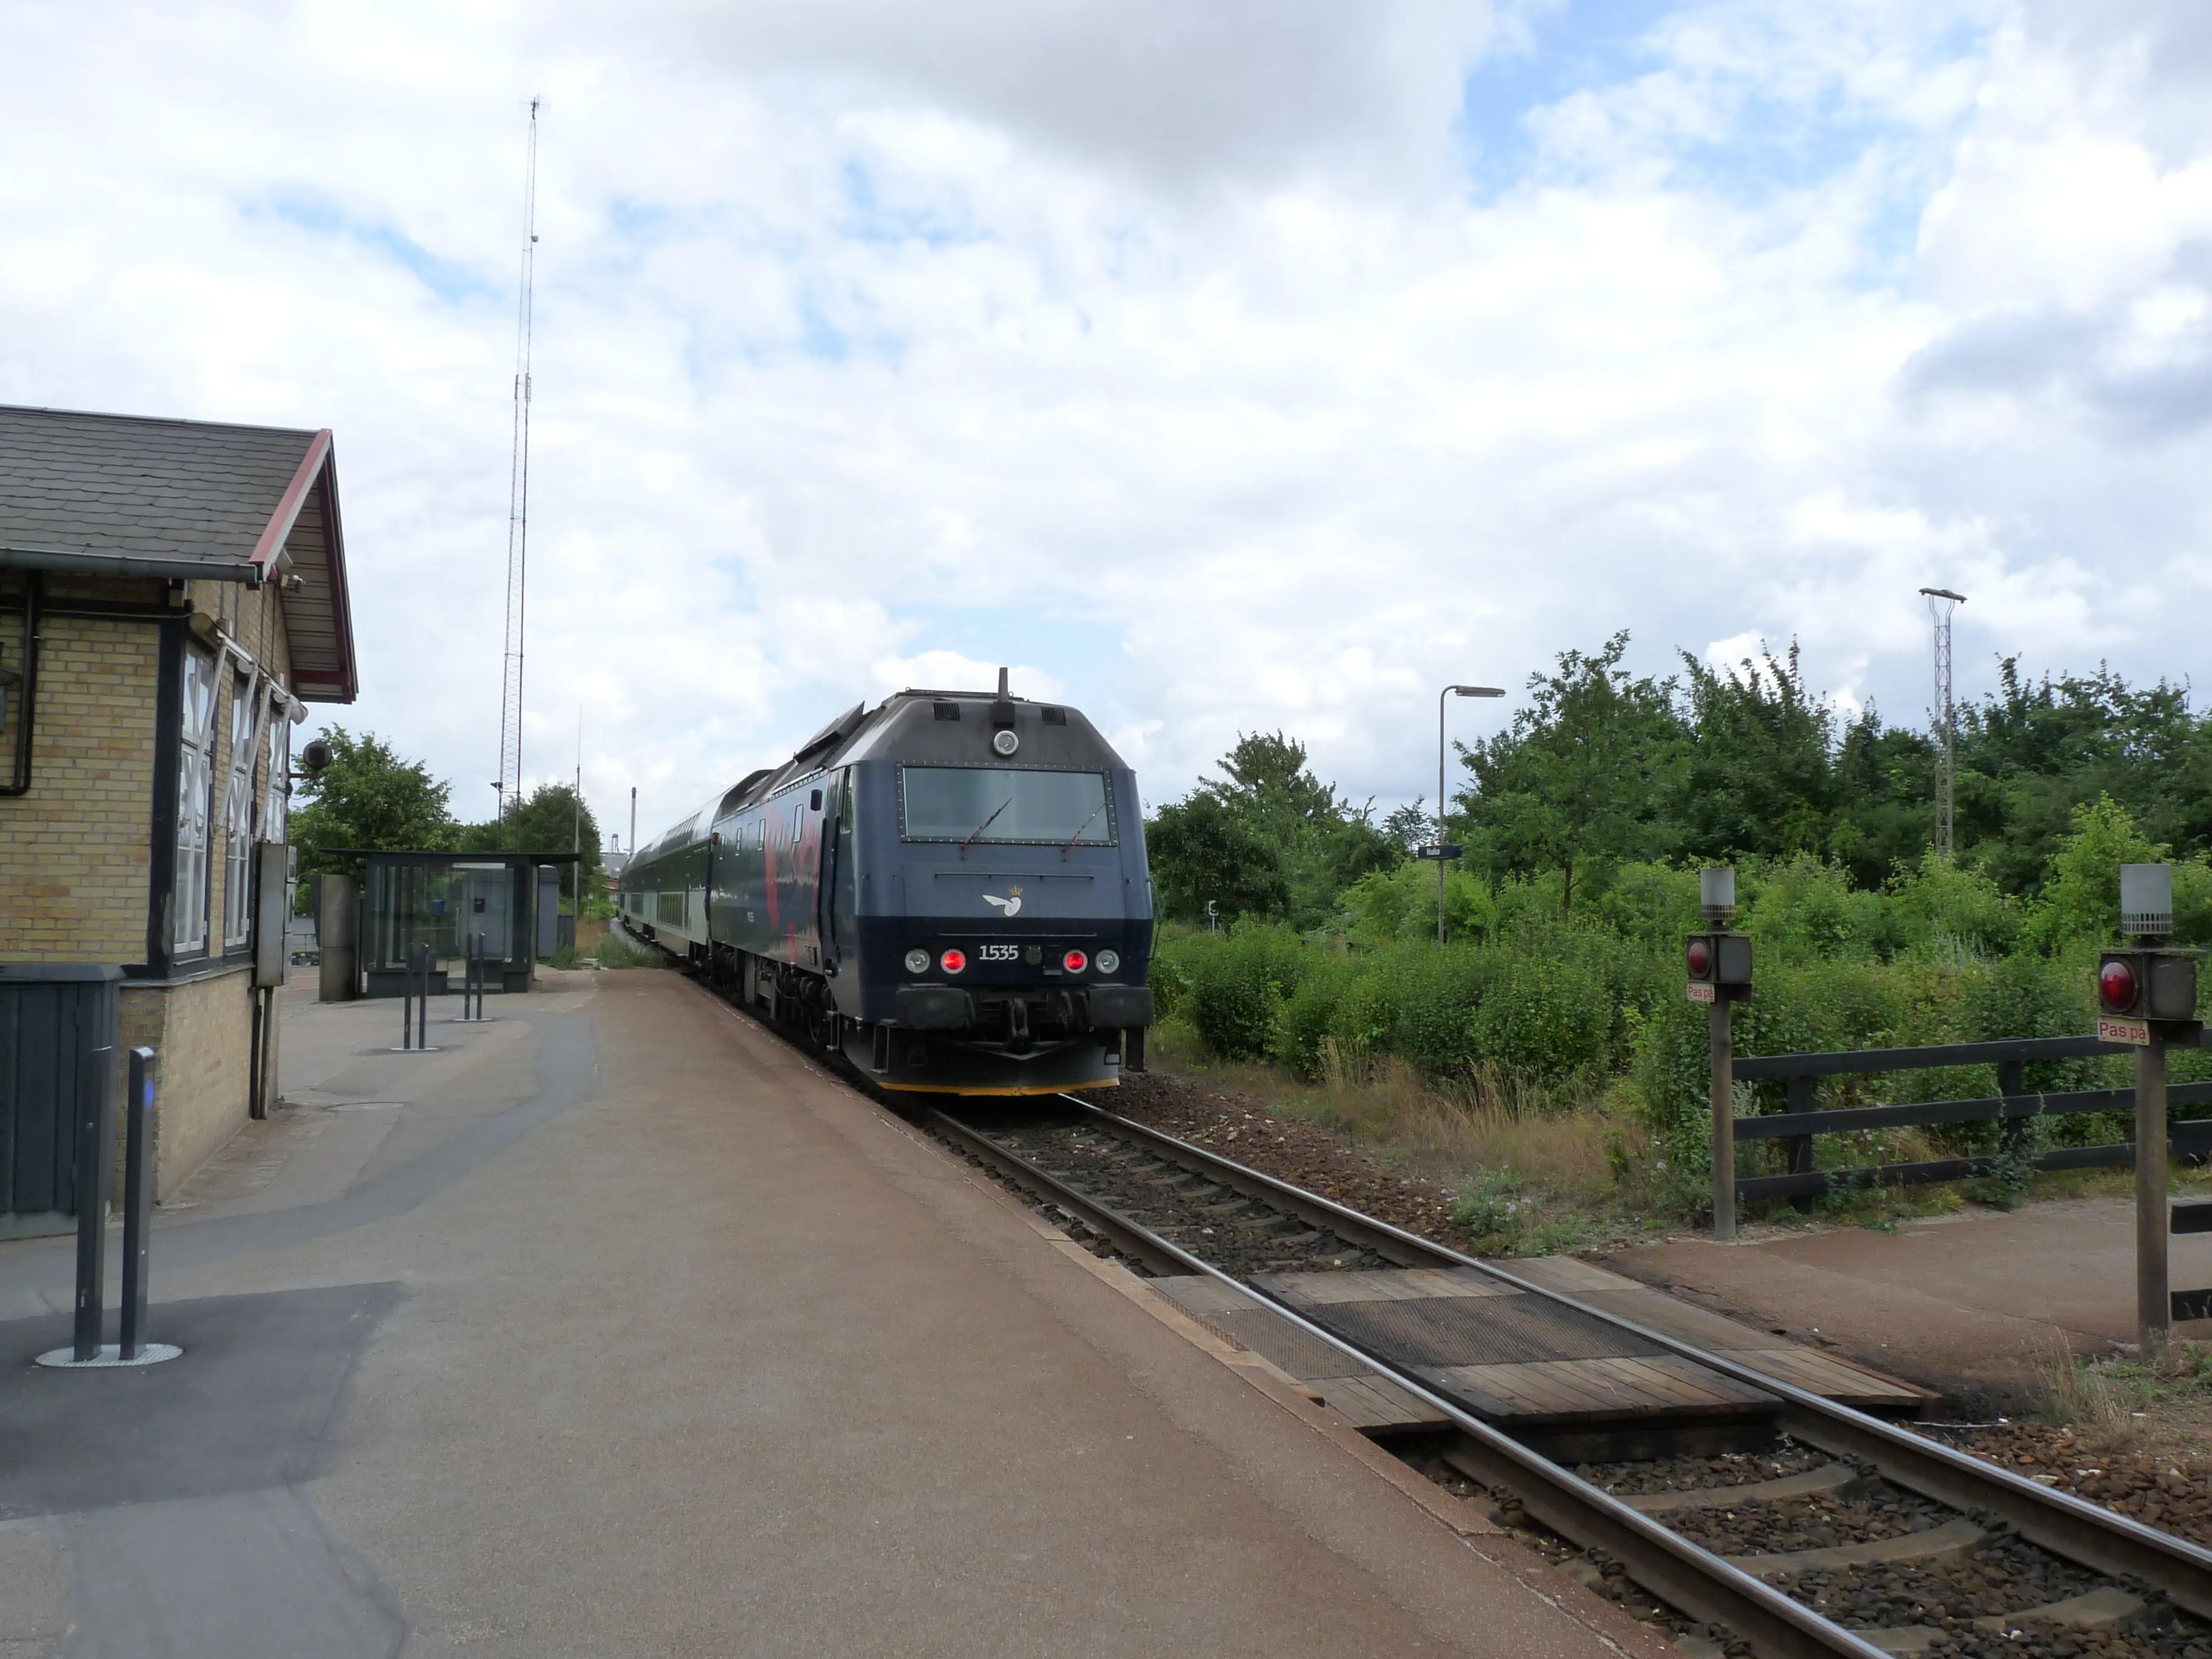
(948, 890)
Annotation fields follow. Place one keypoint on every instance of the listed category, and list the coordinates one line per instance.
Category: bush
(1237, 987)
(1945, 910)
(1805, 910)
(1432, 1023)
(1389, 906)
(1307, 1022)
(1548, 1016)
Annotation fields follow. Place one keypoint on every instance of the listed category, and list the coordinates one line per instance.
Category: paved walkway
(616, 1327)
(1974, 1303)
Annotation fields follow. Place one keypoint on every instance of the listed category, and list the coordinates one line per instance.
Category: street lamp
(1448, 691)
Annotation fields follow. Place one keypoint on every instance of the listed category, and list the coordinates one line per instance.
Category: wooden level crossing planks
(1394, 1285)
(1819, 1373)
(1369, 1402)
(1559, 1391)
(1513, 1359)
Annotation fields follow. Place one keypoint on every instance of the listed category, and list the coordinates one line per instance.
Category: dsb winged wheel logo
(1011, 906)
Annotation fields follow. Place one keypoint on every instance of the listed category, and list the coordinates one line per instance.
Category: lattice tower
(1941, 602)
(518, 505)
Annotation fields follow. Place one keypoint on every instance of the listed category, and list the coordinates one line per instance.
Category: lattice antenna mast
(1941, 602)
(518, 505)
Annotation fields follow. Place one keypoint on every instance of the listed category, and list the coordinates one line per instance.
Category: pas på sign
(1700, 992)
(2124, 1031)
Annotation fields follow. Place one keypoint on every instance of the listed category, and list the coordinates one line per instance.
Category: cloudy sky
(1235, 366)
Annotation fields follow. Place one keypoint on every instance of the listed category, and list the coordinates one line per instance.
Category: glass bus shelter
(446, 900)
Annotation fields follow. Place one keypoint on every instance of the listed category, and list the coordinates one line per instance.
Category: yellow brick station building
(172, 595)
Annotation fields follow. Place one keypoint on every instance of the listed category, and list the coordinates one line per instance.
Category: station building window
(195, 802)
(275, 816)
(238, 814)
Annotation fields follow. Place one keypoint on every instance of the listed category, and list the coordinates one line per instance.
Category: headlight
(1005, 742)
(1108, 961)
(917, 961)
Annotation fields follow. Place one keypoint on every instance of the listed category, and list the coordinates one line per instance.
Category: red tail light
(1075, 962)
(953, 961)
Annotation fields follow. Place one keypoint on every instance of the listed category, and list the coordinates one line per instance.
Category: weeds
(2111, 1398)
(2021, 1142)
(616, 951)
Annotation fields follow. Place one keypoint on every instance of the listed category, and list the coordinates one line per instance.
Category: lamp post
(1448, 691)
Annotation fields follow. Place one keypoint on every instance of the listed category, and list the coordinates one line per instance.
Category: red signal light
(1701, 958)
(953, 961)
(2116, 984)
(1075, 962)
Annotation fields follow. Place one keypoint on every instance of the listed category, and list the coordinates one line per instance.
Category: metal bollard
(137, 1202)
(95, 1142)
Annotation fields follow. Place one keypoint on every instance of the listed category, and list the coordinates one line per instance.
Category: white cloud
(1174, 353)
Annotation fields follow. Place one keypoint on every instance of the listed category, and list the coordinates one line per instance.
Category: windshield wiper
(986, 824)
(1079, 828)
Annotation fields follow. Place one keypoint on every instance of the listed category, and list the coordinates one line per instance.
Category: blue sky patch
(448, 280)
(868, 218)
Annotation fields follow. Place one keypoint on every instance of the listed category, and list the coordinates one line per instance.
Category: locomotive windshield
(995, 804)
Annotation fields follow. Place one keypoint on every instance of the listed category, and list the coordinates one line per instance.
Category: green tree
(1582, 778)
(1758, 776)
(2030, 754)
(1201, 849)
(1885, 794)
(546, 822)
(1275, 840)
(369, 797)
(1409, 825)
(2080, 903)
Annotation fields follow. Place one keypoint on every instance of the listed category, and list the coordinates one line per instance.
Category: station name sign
(1440, 850)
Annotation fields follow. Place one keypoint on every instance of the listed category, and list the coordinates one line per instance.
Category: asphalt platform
(1978, 1305)
(615, 1326)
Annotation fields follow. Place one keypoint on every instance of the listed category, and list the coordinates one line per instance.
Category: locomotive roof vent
(947, 711)
(1055, 717)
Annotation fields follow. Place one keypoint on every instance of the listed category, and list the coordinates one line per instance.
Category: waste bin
(57, 1037)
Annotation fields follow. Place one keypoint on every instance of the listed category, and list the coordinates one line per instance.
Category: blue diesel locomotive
(949, 888)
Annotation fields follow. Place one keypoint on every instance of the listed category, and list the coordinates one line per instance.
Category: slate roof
(124, 495)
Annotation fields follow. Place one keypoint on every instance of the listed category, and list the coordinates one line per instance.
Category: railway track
(1923, 1548)
(1851, 1535)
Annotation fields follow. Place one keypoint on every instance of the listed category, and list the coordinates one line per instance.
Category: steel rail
(1704, 1585)
(2061, 1522)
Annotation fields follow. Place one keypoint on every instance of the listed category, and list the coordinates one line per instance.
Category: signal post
(2147, 998)
(1718, 962)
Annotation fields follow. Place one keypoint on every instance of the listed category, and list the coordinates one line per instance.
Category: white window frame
(245, 704)
(202, 701)
(276, 814)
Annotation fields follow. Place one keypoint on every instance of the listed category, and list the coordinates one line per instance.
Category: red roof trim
(348, 683)
(290, 503)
